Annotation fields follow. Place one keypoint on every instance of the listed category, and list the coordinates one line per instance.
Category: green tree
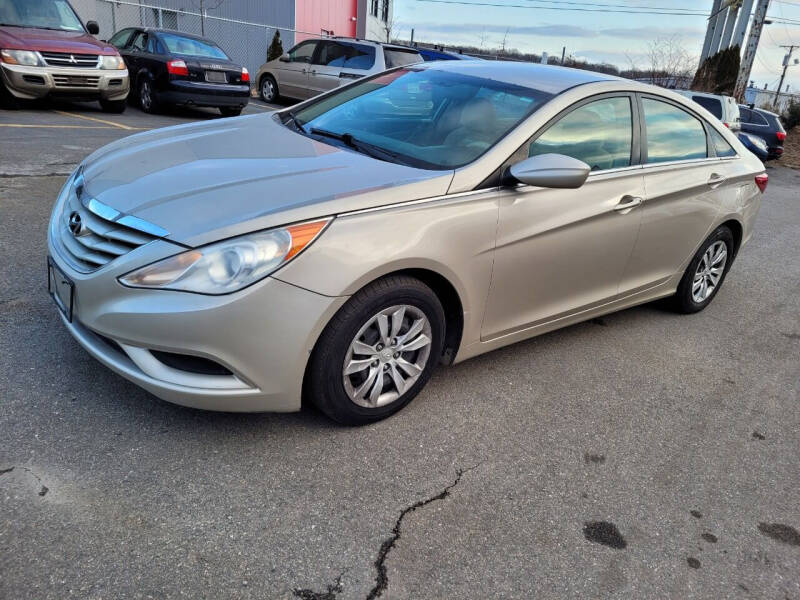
(276, 47)
(791, 118)
(717, 74)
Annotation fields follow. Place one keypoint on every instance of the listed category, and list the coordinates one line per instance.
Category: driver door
(293, 76)
(563, 251)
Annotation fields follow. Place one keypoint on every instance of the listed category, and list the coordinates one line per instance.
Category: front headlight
(112, 62)
(230, 265)
(26, 58)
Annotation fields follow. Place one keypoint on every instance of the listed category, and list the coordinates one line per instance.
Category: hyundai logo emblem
(75, 223)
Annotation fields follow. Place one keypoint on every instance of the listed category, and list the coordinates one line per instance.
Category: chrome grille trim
(76, 81)
(66, 59)
(104, 233)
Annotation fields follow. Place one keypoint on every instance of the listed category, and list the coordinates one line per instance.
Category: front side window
(186, 46)
(121, 38)
(721, 146)
(712, 105)
(425, 118)
(302, 52)
(599, 133)
(40, 14)
(400, 58)
(672, 133)
(139, 42)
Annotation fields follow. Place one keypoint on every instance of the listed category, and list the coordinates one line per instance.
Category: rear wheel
(148, 101)
(113, 106)
(228, 111)
(377, 352)
(706, 272)
(269, 89)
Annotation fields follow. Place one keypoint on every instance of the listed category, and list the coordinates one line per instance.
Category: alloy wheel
(267, 90)
(387, 356)
(709, 271)
(145, 96)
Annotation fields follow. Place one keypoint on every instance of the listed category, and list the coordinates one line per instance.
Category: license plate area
(61, 289)
(216, 77)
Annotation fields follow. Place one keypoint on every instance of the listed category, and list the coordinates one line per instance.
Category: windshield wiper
(363, 147)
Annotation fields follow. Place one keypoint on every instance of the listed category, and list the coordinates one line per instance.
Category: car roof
(760, 110)
(547, 78)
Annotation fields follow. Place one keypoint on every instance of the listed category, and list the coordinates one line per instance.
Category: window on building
(385, 5)
(672, 133)
(373, 7)
(598, 133)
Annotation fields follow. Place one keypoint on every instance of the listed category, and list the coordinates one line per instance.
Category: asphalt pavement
(641, 455)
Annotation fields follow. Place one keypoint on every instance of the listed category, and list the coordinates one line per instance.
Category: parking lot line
(112, 123)
(23, 125)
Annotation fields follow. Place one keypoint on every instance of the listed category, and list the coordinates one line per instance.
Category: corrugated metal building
(244, 28)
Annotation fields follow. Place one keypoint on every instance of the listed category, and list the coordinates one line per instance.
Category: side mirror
(92, 27)
(551, 171)
(284, 58)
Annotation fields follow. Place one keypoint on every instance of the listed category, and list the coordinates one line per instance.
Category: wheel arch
(737, 229)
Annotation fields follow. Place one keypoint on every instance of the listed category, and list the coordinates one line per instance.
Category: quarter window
(599, 133)
(721, 145)
(672, 133)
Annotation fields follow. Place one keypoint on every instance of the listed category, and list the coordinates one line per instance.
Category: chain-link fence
(244, 41)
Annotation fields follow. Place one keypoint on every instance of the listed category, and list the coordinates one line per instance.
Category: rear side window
(721, 145)
(712, 105)
(672, 133)
(397, 58)
(757, 119)
(598, 133)
(745, 114)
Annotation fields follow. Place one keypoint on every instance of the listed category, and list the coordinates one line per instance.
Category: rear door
(293, 76)
(685, 185)
(563, 251)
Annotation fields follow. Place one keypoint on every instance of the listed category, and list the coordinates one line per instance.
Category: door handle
(715, 180)
(628, 202)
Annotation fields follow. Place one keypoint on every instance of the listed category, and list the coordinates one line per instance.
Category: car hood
(207, 181)
(47, 40)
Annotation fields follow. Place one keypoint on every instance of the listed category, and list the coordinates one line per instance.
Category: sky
(602, 36)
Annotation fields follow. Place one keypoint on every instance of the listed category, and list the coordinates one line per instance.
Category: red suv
(45, 51)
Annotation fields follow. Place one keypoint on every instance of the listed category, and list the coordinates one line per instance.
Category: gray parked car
(341, 249)
(316, 66)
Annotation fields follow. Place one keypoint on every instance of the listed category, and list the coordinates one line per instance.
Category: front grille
(93, 234)
(65, 59)
(76, 82)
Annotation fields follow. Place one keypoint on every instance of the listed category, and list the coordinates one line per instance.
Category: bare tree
(669, 62)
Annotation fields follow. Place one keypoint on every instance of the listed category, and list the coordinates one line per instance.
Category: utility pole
(787, 60)
(563, 52)
(750, 50)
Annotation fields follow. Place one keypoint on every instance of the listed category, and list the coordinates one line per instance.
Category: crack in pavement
(42, 491)
(382, 579)
(329, 594)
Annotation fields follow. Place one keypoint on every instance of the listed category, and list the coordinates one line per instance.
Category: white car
(724, 108)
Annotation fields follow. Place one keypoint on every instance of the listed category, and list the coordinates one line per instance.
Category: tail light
(762, 181)
(726, 125)
(781, 136)
(245, 74)
(177, 67)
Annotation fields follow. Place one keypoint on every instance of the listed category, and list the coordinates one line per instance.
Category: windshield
(40, 14)
(177, 44)
(425, 117)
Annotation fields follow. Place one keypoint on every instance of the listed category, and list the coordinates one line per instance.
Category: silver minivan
(318, 65)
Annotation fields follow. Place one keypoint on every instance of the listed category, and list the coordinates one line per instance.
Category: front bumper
(191, 93)
(29, 83)
(263, 335)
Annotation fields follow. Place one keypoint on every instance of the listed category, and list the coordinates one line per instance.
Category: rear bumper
(29, 83)
(205, 94)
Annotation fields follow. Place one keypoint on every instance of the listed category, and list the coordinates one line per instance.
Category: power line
(563, 8)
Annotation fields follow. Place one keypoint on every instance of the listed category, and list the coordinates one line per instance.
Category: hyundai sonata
(339, 250)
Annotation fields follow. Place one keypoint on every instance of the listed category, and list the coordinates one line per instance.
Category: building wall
(371, 27)
(314, 16)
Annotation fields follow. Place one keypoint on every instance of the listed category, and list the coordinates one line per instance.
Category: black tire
(228, 111)
(683, 300)
(147, 97)
(7, 99)
(113, 106)
(265, 82)
(324, 382)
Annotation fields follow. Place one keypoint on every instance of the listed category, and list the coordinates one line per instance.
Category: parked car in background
(47, 52)
(430, 54)
(173, 68)
(766, 125)
(340, 250)
(755, 144)
(722, 107)
(316, 66)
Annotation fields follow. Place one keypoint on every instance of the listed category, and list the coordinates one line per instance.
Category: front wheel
(706, 272)
(113, 106)
(377, 352)
(269, 89)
